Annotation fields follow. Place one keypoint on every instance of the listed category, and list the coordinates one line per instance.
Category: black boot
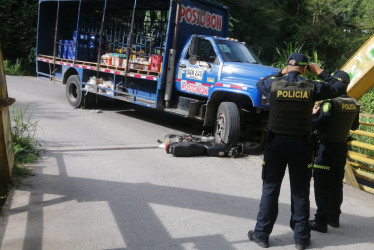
(302, 246)
(253, 238)
(334, 223)
(317, 227)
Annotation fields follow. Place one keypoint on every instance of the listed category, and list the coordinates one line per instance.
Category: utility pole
(6, 148)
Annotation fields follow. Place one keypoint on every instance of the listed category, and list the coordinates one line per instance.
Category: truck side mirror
(192, 60)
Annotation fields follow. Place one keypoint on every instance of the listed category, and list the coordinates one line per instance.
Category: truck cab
(212, 71)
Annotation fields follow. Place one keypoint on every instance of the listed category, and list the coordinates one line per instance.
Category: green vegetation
(21, 67)
(18, 20)
(282, 55)
(24, 144)
(23, 136)
(367, 102)
(13, 68)
(333, 28)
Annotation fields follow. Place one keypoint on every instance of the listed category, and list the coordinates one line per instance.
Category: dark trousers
(297, 154)
(328, 174)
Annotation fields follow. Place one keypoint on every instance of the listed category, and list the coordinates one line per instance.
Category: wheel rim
(73, 92)
(220, 129)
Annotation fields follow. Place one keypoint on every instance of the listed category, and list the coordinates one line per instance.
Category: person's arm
(264, 84)
(331, 88)
(315, 69)
(322, 115)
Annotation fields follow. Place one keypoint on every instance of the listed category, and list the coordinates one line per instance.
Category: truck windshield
(235, 52)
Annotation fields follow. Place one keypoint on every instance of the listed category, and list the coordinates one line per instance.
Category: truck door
(197, 76)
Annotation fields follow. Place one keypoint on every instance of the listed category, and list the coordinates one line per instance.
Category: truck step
(180, 112)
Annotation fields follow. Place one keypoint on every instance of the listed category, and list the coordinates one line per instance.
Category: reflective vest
(291, 105)
(343, 114)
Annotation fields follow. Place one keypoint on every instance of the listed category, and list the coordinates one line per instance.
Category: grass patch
(23, 136)
(24, 143)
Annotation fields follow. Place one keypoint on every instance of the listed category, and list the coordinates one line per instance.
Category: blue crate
(60, 48)
(71, 51)
(66, 49)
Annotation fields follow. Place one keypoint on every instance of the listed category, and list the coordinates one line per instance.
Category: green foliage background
(334, 29)
(18, 19)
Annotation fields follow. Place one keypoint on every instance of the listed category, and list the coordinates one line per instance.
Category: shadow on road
(131, 203)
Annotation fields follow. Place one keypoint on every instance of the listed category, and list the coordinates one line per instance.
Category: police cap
(300, 59)
(342, 76)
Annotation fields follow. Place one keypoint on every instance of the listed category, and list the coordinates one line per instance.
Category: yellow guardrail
(360, 166)
(361, 70)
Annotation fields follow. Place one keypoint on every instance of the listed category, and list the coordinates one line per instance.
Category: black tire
(74, 91)
(227, 126)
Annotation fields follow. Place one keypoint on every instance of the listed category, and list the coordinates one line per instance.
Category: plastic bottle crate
(60, 48)
(71, 51)
(65, 52)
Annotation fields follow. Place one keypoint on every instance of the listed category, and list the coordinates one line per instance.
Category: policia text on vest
(291, 104)
(293, 94)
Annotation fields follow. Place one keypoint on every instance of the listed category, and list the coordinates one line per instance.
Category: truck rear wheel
(74, 91)
(227, 126)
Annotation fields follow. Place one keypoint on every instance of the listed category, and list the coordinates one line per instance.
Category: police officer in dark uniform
(333, 120)
(287, 143)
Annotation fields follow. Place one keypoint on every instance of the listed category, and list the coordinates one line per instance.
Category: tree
(335, 29)
(18, 20)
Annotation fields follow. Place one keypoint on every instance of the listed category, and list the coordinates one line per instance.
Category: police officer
(333, 119)
(289, 126)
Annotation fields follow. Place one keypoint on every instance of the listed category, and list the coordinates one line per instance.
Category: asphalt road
(103, 182)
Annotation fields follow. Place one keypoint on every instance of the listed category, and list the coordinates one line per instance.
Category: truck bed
(137, 73)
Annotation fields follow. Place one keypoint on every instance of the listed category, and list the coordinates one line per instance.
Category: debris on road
(185, 145)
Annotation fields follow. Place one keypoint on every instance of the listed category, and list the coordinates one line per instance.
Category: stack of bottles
(83, 47)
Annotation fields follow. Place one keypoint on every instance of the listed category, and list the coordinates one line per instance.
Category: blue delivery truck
(170, 55)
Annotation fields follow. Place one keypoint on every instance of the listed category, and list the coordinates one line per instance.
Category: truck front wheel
(227, 126)
(74, 91)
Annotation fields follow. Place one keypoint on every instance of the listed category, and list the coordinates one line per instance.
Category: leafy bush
(282, 56)
(367, 102)
(13, 68)
(21, 67)
(18, 20)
